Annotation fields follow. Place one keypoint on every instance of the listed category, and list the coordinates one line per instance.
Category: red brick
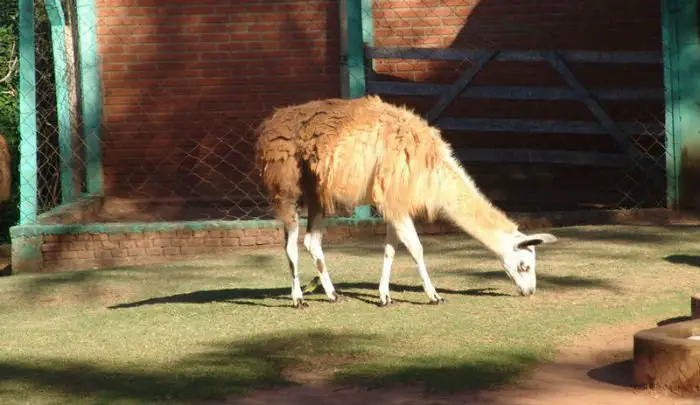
(86, 254)
(136, 252)
(178, 242)
(362, 231)
(265, 240)
(171, 251)
(104, 254)
(213, 242)
(184, 234)
(194, 242)
(110, 244)
(216, 233)
(67, 238)
(145, 243)
(189, 251)
(52, 247)
(68, 255)
(154, 251)
(161, 242)
(129, 244)
(51, 238)
(51, 255)
(76, 246)
(252, 232)
(119, 252)
(230, 242)
(248, 241)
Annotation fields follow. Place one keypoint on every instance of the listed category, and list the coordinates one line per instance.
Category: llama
(336, 152)
(5, 170)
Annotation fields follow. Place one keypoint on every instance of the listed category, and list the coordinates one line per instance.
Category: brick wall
(100, 250)
(185, 81)
(105, 250)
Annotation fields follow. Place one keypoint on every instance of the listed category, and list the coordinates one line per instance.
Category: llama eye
(523, 268)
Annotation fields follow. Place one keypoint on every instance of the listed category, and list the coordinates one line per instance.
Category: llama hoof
(386, 303)
(437, 301)
(336, 298)
(301, 304)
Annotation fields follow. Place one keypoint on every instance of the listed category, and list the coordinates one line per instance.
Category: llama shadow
(555, 281)
(688, 260)
(620, 374)
(253, 296)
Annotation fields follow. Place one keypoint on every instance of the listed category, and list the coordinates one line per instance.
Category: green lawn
(208, 328)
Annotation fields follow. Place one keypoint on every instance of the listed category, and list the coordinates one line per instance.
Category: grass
(204, 329)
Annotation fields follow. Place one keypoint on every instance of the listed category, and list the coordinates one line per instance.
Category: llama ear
(534, 240)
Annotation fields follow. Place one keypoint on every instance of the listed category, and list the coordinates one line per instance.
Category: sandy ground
(595, 369)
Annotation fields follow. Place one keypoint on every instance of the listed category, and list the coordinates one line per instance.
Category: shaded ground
(222, 326)
(594, 368)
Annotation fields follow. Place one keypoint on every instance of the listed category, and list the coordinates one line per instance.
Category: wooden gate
(599, 161)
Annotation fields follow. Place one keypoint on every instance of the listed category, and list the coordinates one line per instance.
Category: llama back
(360, 151)
(371, 152)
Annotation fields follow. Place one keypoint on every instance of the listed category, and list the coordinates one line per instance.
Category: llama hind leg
(389, 252)
(312, 243)
(406, 232)
(291, 237)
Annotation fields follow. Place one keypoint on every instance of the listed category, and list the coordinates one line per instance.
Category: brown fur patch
(366, 151)
(5, 173)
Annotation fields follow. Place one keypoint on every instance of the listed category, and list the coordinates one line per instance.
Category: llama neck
(466, 206)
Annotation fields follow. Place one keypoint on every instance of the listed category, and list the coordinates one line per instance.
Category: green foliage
(9, 105)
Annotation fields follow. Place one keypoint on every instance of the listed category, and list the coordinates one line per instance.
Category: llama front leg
(406, 232)
(312, 243)
(291, 237)
(389, 251)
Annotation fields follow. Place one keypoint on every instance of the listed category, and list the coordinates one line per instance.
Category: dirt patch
(595, 368)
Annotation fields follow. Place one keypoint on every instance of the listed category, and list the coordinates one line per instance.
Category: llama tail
(277, 164)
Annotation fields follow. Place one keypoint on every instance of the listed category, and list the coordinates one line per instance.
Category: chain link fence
(185, 87)
(549, 105)
(9, 67)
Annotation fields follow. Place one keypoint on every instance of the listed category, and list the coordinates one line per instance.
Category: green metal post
(356, 29)
(368, 25)
(63, 106)
(28, 173)
(91, 90)
(682, 86)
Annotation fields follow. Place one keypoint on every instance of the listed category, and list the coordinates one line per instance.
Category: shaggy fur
(336, 152)
(5, 174)
(366, 151)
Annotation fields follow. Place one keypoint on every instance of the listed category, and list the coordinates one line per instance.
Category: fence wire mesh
(183, 85)
(9, 68)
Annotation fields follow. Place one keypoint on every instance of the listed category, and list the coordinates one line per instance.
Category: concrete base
(695, 306)
(665, 357)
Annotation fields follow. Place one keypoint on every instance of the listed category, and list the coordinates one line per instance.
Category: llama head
(519, 260)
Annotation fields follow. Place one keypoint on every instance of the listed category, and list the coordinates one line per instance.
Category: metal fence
(549, 106)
